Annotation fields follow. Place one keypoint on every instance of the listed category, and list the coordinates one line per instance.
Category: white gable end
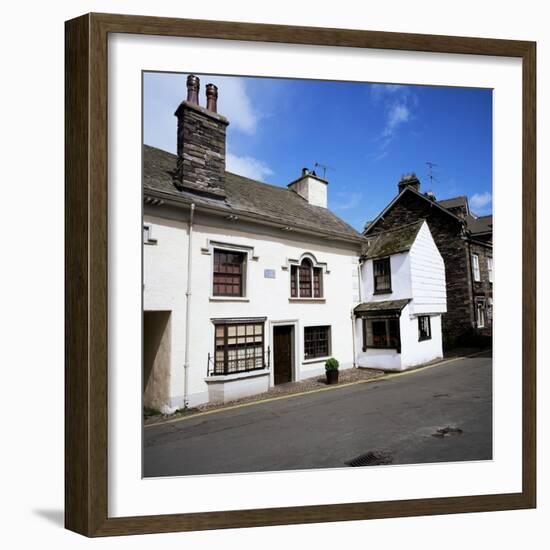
(427, 272)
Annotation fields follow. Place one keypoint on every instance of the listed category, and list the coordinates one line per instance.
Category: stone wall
(201, 150)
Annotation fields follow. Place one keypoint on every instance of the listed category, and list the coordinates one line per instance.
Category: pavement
(439, 414)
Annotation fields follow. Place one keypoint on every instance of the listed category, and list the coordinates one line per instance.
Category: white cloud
(350, 200)
(398, 114)
(480, 201)
(398, 103)
(248, 167)
(235, 104)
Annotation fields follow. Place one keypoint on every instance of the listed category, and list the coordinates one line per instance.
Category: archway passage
(156, 360)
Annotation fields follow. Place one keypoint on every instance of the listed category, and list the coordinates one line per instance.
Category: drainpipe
(353, 338)
(360, 284)
(188, 303)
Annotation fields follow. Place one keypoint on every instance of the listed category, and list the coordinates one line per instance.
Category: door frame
(294, 369)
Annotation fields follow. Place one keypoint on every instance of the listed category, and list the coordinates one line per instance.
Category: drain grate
(370, 459)
(446, 432)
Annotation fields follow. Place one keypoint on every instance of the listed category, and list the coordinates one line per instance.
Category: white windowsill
(316, 360)
(315, 300)
(229, 299)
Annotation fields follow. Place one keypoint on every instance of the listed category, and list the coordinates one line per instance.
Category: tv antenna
(324, 167)
(431, 174)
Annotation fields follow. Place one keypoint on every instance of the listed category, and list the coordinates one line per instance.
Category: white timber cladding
(428, 288)
(165, 269)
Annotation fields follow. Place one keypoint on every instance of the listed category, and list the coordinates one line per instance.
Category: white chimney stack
(311, 187)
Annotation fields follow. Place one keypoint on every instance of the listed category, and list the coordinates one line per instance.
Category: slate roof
(245, 196)
(374, 308)
(392, 241)
(481, 224)
(454, 202)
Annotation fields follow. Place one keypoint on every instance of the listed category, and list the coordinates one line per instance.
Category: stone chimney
(201, 142)
(311, 187)
(409, 180)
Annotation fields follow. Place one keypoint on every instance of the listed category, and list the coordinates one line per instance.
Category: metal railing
(237, 366)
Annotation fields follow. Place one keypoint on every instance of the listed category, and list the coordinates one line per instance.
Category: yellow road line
(307, 392)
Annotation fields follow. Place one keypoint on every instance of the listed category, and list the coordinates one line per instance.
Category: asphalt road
(394, 418)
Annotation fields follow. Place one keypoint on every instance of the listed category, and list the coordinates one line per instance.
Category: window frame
(490, 269)
(148, 234)
(316, 280)
(243, 274)
(381, 261)
(387, 320)
(424, 335)
(328, 342)
(480, 307)
(225, 370)
(476, 271)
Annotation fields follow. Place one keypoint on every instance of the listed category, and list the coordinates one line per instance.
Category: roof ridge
(420, 221)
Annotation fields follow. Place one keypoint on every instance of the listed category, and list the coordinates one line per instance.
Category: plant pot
(332, 377)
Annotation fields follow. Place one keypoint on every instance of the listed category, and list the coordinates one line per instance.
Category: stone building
(465, 243)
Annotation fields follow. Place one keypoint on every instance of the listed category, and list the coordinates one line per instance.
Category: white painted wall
(413, 352)
(400, 265)
(165, 268)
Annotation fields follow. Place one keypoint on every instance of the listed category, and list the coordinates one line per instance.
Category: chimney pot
(212, 98)
(305, 171)
(409, 180)
(193, 86)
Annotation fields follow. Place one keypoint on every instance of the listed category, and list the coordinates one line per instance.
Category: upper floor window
(490, 268)
(229, 273)
(475, 268)
(382, 276)
(306, 280)
(148, 234)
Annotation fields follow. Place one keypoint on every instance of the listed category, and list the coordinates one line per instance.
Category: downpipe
(188, 306)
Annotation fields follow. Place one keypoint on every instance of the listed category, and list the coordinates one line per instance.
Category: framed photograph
(284, 300)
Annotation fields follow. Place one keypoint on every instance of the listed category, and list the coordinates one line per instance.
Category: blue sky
(368, 134)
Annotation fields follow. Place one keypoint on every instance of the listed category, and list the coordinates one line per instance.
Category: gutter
(170, 199)
(188, 305)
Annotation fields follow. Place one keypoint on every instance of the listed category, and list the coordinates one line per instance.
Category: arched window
(306, 280)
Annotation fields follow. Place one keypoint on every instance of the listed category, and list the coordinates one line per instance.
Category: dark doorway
(156, 360)
(282, 353)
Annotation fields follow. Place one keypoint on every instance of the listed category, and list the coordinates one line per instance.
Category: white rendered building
(245, 285)
(403, 294)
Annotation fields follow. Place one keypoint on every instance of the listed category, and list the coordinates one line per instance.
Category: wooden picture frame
(86, 420)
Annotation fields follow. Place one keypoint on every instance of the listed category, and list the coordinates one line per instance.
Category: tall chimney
(200, 165)
(212, 98)
(193, 87)
(409, 180)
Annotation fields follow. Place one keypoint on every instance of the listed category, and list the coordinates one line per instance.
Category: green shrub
(331, 364)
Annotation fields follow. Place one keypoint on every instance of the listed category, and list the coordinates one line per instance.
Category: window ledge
(229, 299)
(382, 292)
(304, 300)
(236, 375)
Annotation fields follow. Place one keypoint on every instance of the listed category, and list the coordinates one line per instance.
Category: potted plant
(331, 368)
